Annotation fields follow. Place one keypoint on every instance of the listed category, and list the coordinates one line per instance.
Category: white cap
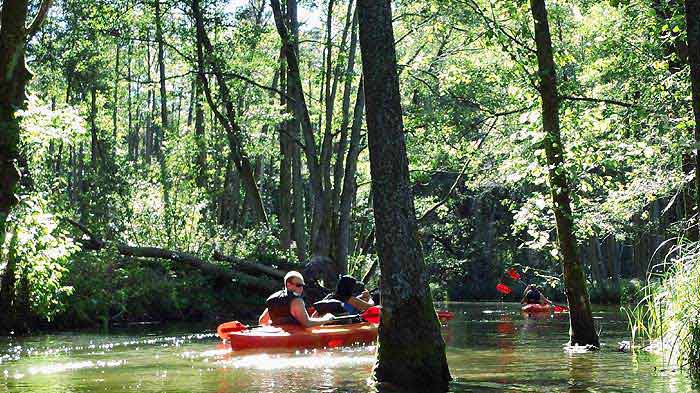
(293, 273)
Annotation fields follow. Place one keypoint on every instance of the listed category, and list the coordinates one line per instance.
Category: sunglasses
(297, 285)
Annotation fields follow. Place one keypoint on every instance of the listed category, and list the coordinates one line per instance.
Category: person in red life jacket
(286, 306)
(533, 295)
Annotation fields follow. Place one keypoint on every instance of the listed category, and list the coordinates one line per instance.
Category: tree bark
(115, 97)
(349, 188)
(93, 243)
(298, 191)
(161, 73)
(150, 103)
(285, 166)
(233, 131)
(319, 238)
(411, 352)
(14, 77)
(341, 146)
(132, 153)
(199, 135)
(164, 123)
(94, 141)
(582, 330)
(692, 17)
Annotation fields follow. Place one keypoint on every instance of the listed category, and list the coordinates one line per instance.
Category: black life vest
(278, 305)
(532, 296)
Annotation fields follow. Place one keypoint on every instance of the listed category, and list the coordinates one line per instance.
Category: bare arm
(264, 318)
(302, 316)
(359, 303)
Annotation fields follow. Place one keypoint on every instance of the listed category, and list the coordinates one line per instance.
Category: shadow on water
(492, 347)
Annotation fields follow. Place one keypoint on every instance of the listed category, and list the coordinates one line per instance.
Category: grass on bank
(667, 318)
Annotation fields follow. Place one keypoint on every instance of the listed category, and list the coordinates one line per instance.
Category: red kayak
(295, 336)
(536, 308)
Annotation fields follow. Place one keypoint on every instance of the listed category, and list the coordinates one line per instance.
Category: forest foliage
(122, 135)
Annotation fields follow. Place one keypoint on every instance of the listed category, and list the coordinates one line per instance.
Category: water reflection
(582, 373)
(492, 347)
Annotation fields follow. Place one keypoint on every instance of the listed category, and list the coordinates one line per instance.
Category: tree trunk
(132, 154)
(298, 189)
(582, 330)
(199, 135)
(349, 187)
(161, 73)
(115, 97)
(94, 141)
(164, 124)
(14, 77)
(338, 170)
(285, 188)
(411, 352)
(150, 103)
(319, 238)
(233, 131)
(299, 205)
(692, 17)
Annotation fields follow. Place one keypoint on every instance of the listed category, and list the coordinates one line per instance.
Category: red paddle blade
(372, 314)
(445, 316)
(513, 274)
(227, 328)
(558, 308)
(503, 289)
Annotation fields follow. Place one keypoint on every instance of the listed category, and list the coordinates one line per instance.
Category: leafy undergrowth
(667, 318)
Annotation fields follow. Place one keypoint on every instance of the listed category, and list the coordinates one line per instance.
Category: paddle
(504, 289)
(370, 315)
(515, 276)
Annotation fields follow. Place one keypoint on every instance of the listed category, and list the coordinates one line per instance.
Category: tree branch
(599, 100)
(39, 18)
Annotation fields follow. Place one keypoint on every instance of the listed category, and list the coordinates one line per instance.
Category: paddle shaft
(562, 308)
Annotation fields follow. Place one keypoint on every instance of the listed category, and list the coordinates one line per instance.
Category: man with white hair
(286, 306)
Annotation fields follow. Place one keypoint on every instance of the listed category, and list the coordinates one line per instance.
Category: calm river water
(492, 347)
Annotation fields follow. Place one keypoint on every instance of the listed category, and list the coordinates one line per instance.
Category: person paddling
(350, 297)
(533, 295)
(286, 306)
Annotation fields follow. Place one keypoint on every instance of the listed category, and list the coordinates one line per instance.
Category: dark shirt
(278, 305)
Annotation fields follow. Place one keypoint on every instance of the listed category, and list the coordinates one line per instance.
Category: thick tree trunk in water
(582, 331)
(411, 352)
(692, 17)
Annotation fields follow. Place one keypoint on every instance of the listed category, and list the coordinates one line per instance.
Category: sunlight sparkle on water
(305, 360)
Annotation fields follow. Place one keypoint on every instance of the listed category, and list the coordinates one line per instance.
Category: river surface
(492, 347)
